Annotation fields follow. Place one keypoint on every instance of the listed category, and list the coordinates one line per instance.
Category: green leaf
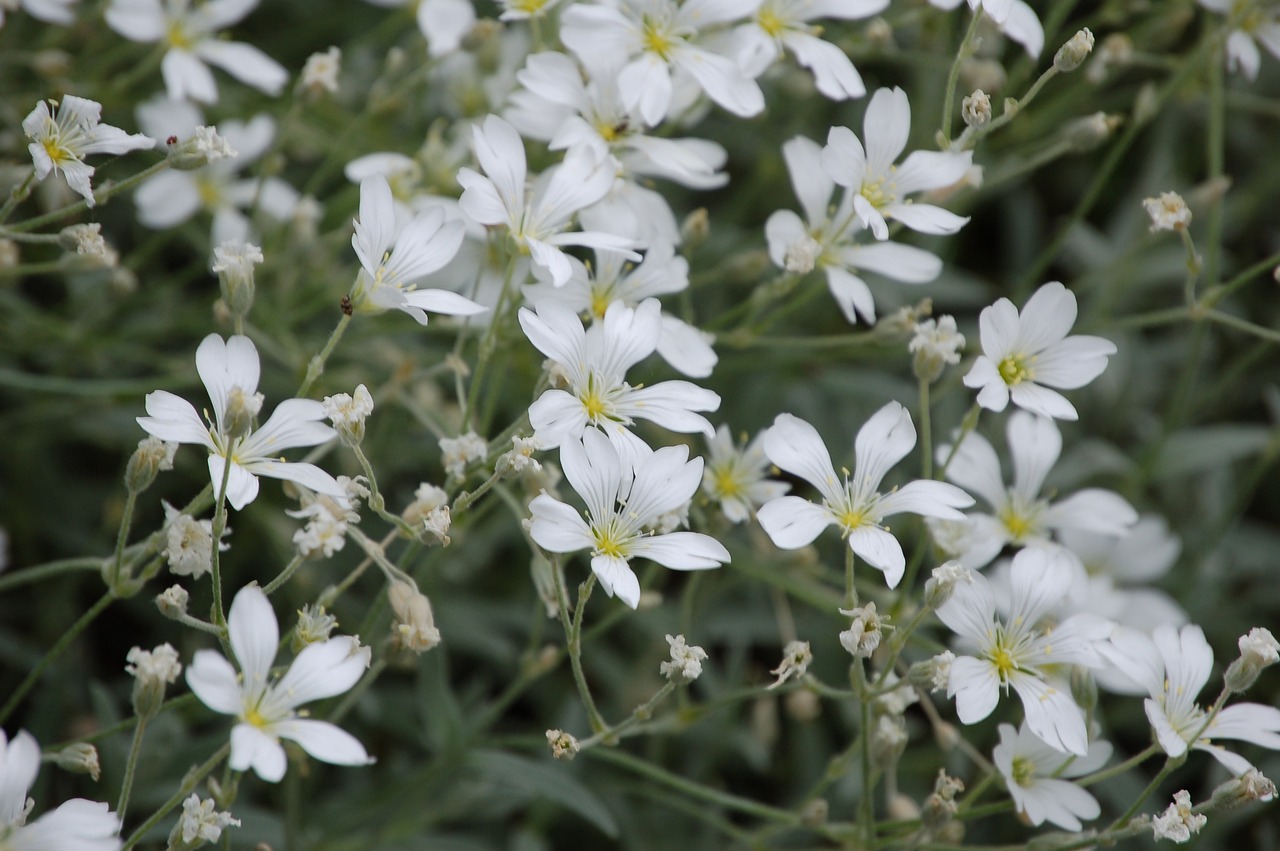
(537, 779)
(1195, 450)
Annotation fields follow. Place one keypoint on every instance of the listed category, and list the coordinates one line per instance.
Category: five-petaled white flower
(735, 476)
(266, 711)
(393, 259)
(1033, 773)
(1020, 516)
(1172, 665)
(880, 185)
(62, 135)
(856, 506)
(1259, 25)
(537, 223)
(77, 825)
(1024, 354)
(779, 24)
(594, 362)
(657, 38)
(625, 498)
(230, 371)
(1020, 650)
(827, 238)
(191, 33)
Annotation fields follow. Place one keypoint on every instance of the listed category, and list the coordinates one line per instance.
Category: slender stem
(641, 713)
(131, 767)
(219, 524)
(17, 196)
(100, 197)
(54, 652)
(850, 589)
(967, 425)
(315, 367)
(963, 52)
(126, 519)
(1239, 324)
(464, 501)
(488, 343)
(189, 783)
(573, 637)
(866, 805)
(1216, 155)
(926, 432)
(1220, 292)
(49, 570)
(1120, 768)
(284, 575)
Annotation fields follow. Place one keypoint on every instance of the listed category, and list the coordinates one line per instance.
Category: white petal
(1073, 362)
(1041, 400)
(645, 87)
(1051, 713)
(137, 20)
(686, 348)
(595, 470)
(254, 634)
(1094, 510)
(885, 129)
(324, 741)
(246, 63)
(167, 199)
(881, 550)
(1035, 444)
(971, 610)
(1024, 27)
(926, 218)
(215, 682)
(844, 159)
(884, 440)
(792, 522)
(308, 475)
(682, 550)
(294, 423)
(671, 404)
(1248, 722)
(925, 170)
(252, 748)
(185, 76)
(833, 73)
(974, 685)
(976, 468)
(375, 229)
(721, 80)
(481, 201)
(795, 446)
(927, 499)
(556, 416)
(904, 263)
(77, 825)
(20, 760)
(173, 418)
(812, 184)
(1046, 317)
(1174, 745)
(500, 152)
(322, 669)
(557, 527)
(444, 23)
(617, 579)
(851, 294)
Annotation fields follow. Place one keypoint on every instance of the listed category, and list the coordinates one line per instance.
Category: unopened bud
(314, 625)
(415, 627)
(233, 262)
(1258, 650)
(1087, 133)
(1168, 212)
(814, 814)
(241, 410)
(695, 228)
(933, 674)
(152, 670)
(942, 582)
(801, 255)
(902, 808)
(320, 73)
(173, 602)
(1084, 688)
(1248, 787)
(976, 109)
(563, 745)
(348, 412)
(686, 661)
(940, 808)
(80, 758)
(879, 33)
(204, 146)
(1071, 54)
(10, 255)
(518, 459)
(888, 739)
(151, 457)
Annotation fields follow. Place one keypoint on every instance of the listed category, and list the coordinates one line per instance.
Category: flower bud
(563, 746)
(415, 627)
(435, 526)
(80, 758)
(348, 413)
(152, 670)
(233, 262)
(86, 240)
(458, 452)
(695, 229)
(1084, 688)
(888, 739)
(1086, 134)
(173, 602)
(152, 456)
(814, 814)
(902, 808)
(1168, 212)
(314, 625)
(941, 584)
(976, 109)
(1258, 650)
(518, 459)
(320, 73)
(933, 674)
(10, 254)
(1071, 54)
(241, 410)
(686, 662)
(204, 146)
(801, 255)
(1248, 787)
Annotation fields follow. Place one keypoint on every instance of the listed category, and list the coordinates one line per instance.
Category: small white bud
(200, 823)
(320, 73)
(415, 626)
(935, 344)
(315, 624)
(686, 662)
(1168, 212)
(1071, 54)
(80, 758)
(519, 458)
(348, 413)
(152, 670)
(1259, 649)
(802, 255)
(942, 582)
(563, 745)
(204, 146)
(173, 601)
(152, 456)
(233, 263)
(976, 109)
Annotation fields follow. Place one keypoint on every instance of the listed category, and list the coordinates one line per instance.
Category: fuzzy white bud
(348, 412)
(976, 109)
(1071, 54)
(686, 661)
(1168, 212)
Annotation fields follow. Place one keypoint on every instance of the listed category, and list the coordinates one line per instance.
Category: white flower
(443, 23)
(779, 24)
(519, 458)
(1015, 19)
(826, 238)
(520, 10)
(324, 532)
(1020, 516)
(457, 452)
(320, 73)
(229, 371)
(595, 361)
(201, 821)
(735, 476)
(623, 499)
(348, 413)
(536, 223)
(934, 344)
(189, 543)
(1168, 212)
(1033, 770)
(1172, 666)
(393, 259)
(1260, 25)
(158, 665)
(656, 38)
(857, 506)
(1020, 651)
(881, 186)
(1024, 354)
(611, 278)
(863, 636)
(191, 33)
(62, 135)
(1178, 822)
(267, 711)
(50, 11)
(77, 825)
(796, 657)
(686, 661)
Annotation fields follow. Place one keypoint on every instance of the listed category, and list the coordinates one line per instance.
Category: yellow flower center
(769, 21)
(600, 301)
(594, 404)
(851, 519)
(177, 36)
(877, 193)
(1024, 771)
(210, 193)
(1014, 369)
(1019, 525)
(254, 718)
(607, 544)
(727, 483)
(1004, 662)
(529, 7)
(57, 153)
(656, 40)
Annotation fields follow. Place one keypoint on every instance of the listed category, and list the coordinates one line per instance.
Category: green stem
(131, 767)
(315, 367)
(641, 713)
(17, 196)
(962, 53)
(189, 783)
(54, 652)
(219, 524)
(126, 519)
(866, 806)
(573, 638)
(100, 197)
(926, 432)
(1216, 156)
(967, 425)
(488, 344)
(850, 589)
(1269, 334)
(284, 575)
(49, 570)
(464, 501)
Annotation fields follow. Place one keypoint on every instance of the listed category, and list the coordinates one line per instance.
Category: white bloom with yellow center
(1020, 651)
(881, 187)
(1024, 354)
(1037, 778)
(266, 710)
(63, 134)
(76, 825)
(856, 506)
(1260, 25)
(229, 370)
(625, 498)
(735, 476)
(594, 362)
